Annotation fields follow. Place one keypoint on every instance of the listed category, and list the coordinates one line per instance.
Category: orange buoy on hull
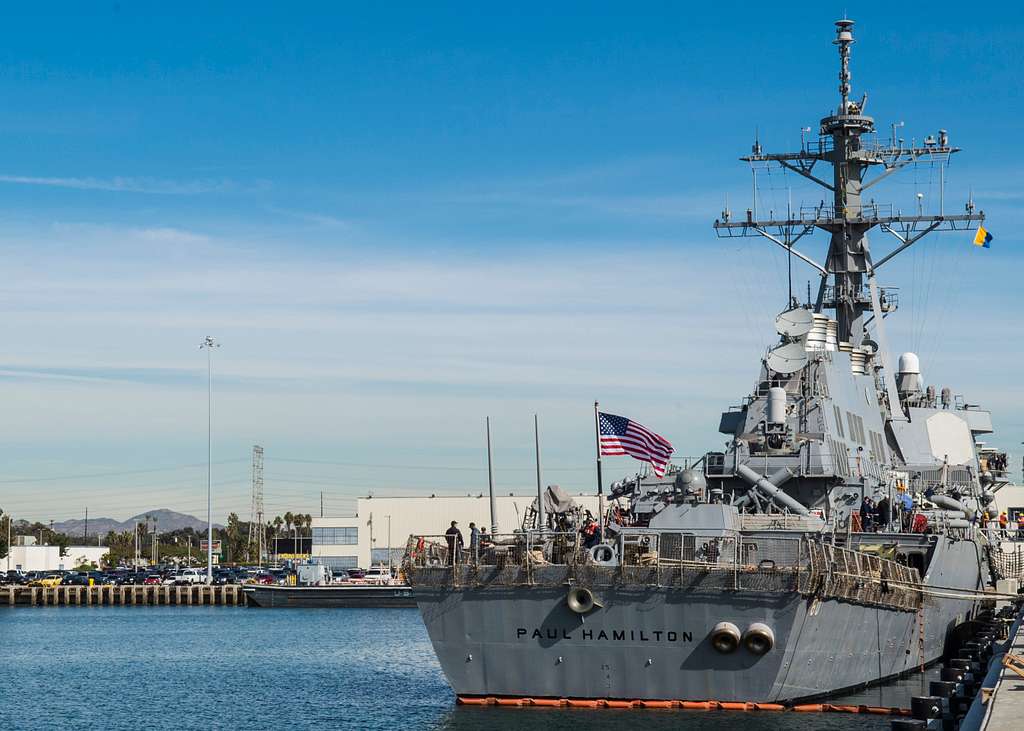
(652, 704)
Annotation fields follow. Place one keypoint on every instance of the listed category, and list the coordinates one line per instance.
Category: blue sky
(400, 220)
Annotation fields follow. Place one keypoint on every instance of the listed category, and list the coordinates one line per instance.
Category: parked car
(378, 575)
(118, 578)
(75, 578)
(151, 580)
(224, 577)
(190, 576)
(16, 577)
(50, 580)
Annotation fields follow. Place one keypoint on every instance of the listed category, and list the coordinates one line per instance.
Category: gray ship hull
(650, 642)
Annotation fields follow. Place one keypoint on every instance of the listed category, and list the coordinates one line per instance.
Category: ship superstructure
(834, 542)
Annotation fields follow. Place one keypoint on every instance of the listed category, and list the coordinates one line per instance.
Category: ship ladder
(1014, 663)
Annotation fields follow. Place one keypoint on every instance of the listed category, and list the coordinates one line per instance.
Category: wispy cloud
(317, 219)
(127, 184)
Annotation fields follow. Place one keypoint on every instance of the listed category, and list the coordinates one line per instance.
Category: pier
(1000, 704)
(123, 596)
(983, 688)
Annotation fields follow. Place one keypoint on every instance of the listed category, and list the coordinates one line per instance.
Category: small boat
(366, 596)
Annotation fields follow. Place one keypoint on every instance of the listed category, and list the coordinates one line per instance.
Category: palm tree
(277, 525)
(309, 524)
(289, 518)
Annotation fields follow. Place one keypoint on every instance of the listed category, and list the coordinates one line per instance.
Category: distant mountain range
(166, 520)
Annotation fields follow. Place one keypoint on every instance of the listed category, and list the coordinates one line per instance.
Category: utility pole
(209, 344)
(85, 538)
(389, 541)
(8, 541)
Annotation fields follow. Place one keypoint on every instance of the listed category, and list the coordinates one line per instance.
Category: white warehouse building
(47, 558)
(384, 524)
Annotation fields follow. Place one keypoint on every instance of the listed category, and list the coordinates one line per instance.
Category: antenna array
(254, 547)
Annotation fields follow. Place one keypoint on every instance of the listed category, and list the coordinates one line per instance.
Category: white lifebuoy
(602, 553)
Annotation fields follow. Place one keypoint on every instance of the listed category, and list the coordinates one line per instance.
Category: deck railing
(646, 557)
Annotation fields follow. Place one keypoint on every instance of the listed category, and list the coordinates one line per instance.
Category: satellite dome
(909, 363)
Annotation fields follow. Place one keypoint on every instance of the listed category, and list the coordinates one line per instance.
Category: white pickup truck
(186, 576)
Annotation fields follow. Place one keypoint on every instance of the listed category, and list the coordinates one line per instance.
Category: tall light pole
(209, 344)
(541, 521)
(490, 481)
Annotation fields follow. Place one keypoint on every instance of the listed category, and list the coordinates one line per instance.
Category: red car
(265, 579)
(151, 579)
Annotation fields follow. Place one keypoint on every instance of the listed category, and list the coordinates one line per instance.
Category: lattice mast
(849, 263)
(255, 542)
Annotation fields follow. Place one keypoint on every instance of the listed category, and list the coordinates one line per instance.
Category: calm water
(223, 668)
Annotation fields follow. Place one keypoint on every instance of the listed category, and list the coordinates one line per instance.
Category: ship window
(839, 421)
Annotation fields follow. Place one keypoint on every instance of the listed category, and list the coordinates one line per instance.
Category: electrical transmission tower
(255, 544)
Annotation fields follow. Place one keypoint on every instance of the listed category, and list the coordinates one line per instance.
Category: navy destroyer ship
(835, 542)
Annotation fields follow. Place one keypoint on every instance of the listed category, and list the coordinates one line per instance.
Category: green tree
(61, 541)
(4, 525)
(236, 536)
(120, 547)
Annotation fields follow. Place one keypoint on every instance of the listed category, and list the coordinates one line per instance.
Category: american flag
(620, 435)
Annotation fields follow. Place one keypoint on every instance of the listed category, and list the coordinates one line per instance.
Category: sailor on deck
(883, 514)
(454, 537)
(867, 515)
(907, 501)
(591, 535)
(474, 541)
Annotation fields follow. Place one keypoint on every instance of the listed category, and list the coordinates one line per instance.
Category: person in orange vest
(1020, 526)
(591, 536)
(1003, 520)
